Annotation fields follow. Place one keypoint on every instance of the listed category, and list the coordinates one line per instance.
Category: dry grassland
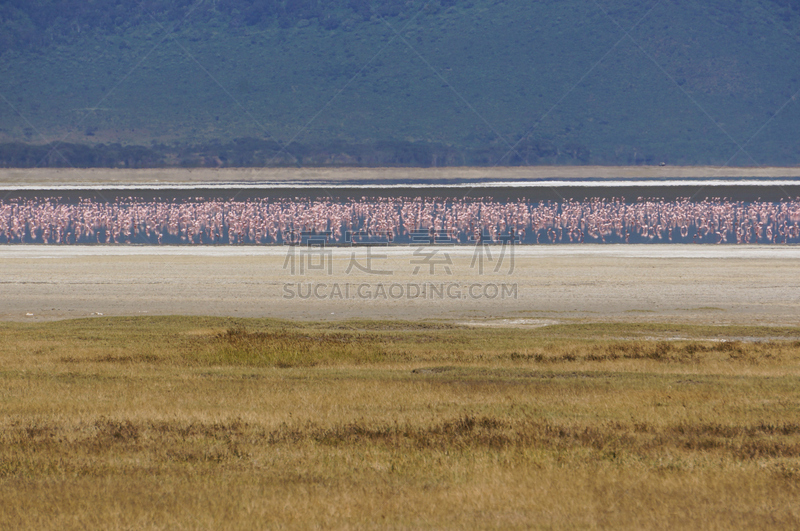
(229, 423)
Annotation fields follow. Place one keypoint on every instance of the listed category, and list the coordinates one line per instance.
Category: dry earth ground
(653, 283)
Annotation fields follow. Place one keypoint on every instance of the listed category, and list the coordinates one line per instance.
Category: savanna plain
(192, 422)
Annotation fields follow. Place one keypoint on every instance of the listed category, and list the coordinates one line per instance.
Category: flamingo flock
(274, 221)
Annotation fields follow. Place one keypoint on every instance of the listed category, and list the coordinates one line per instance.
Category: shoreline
(104, 176)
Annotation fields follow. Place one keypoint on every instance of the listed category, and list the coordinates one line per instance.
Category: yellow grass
(229, 423)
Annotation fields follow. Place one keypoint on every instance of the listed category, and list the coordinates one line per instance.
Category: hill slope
(483, 81)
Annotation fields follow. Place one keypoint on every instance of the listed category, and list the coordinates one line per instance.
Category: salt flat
(663, 283)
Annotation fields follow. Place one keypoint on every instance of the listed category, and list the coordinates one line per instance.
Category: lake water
(764, 211)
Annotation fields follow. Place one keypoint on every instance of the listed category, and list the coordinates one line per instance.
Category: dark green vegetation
(446, 82)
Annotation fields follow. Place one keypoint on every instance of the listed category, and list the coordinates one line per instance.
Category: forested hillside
(398, 82)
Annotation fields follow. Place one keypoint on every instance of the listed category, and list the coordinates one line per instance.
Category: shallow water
(764, 211)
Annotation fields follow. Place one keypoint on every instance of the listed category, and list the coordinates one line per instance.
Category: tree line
(253, 152)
